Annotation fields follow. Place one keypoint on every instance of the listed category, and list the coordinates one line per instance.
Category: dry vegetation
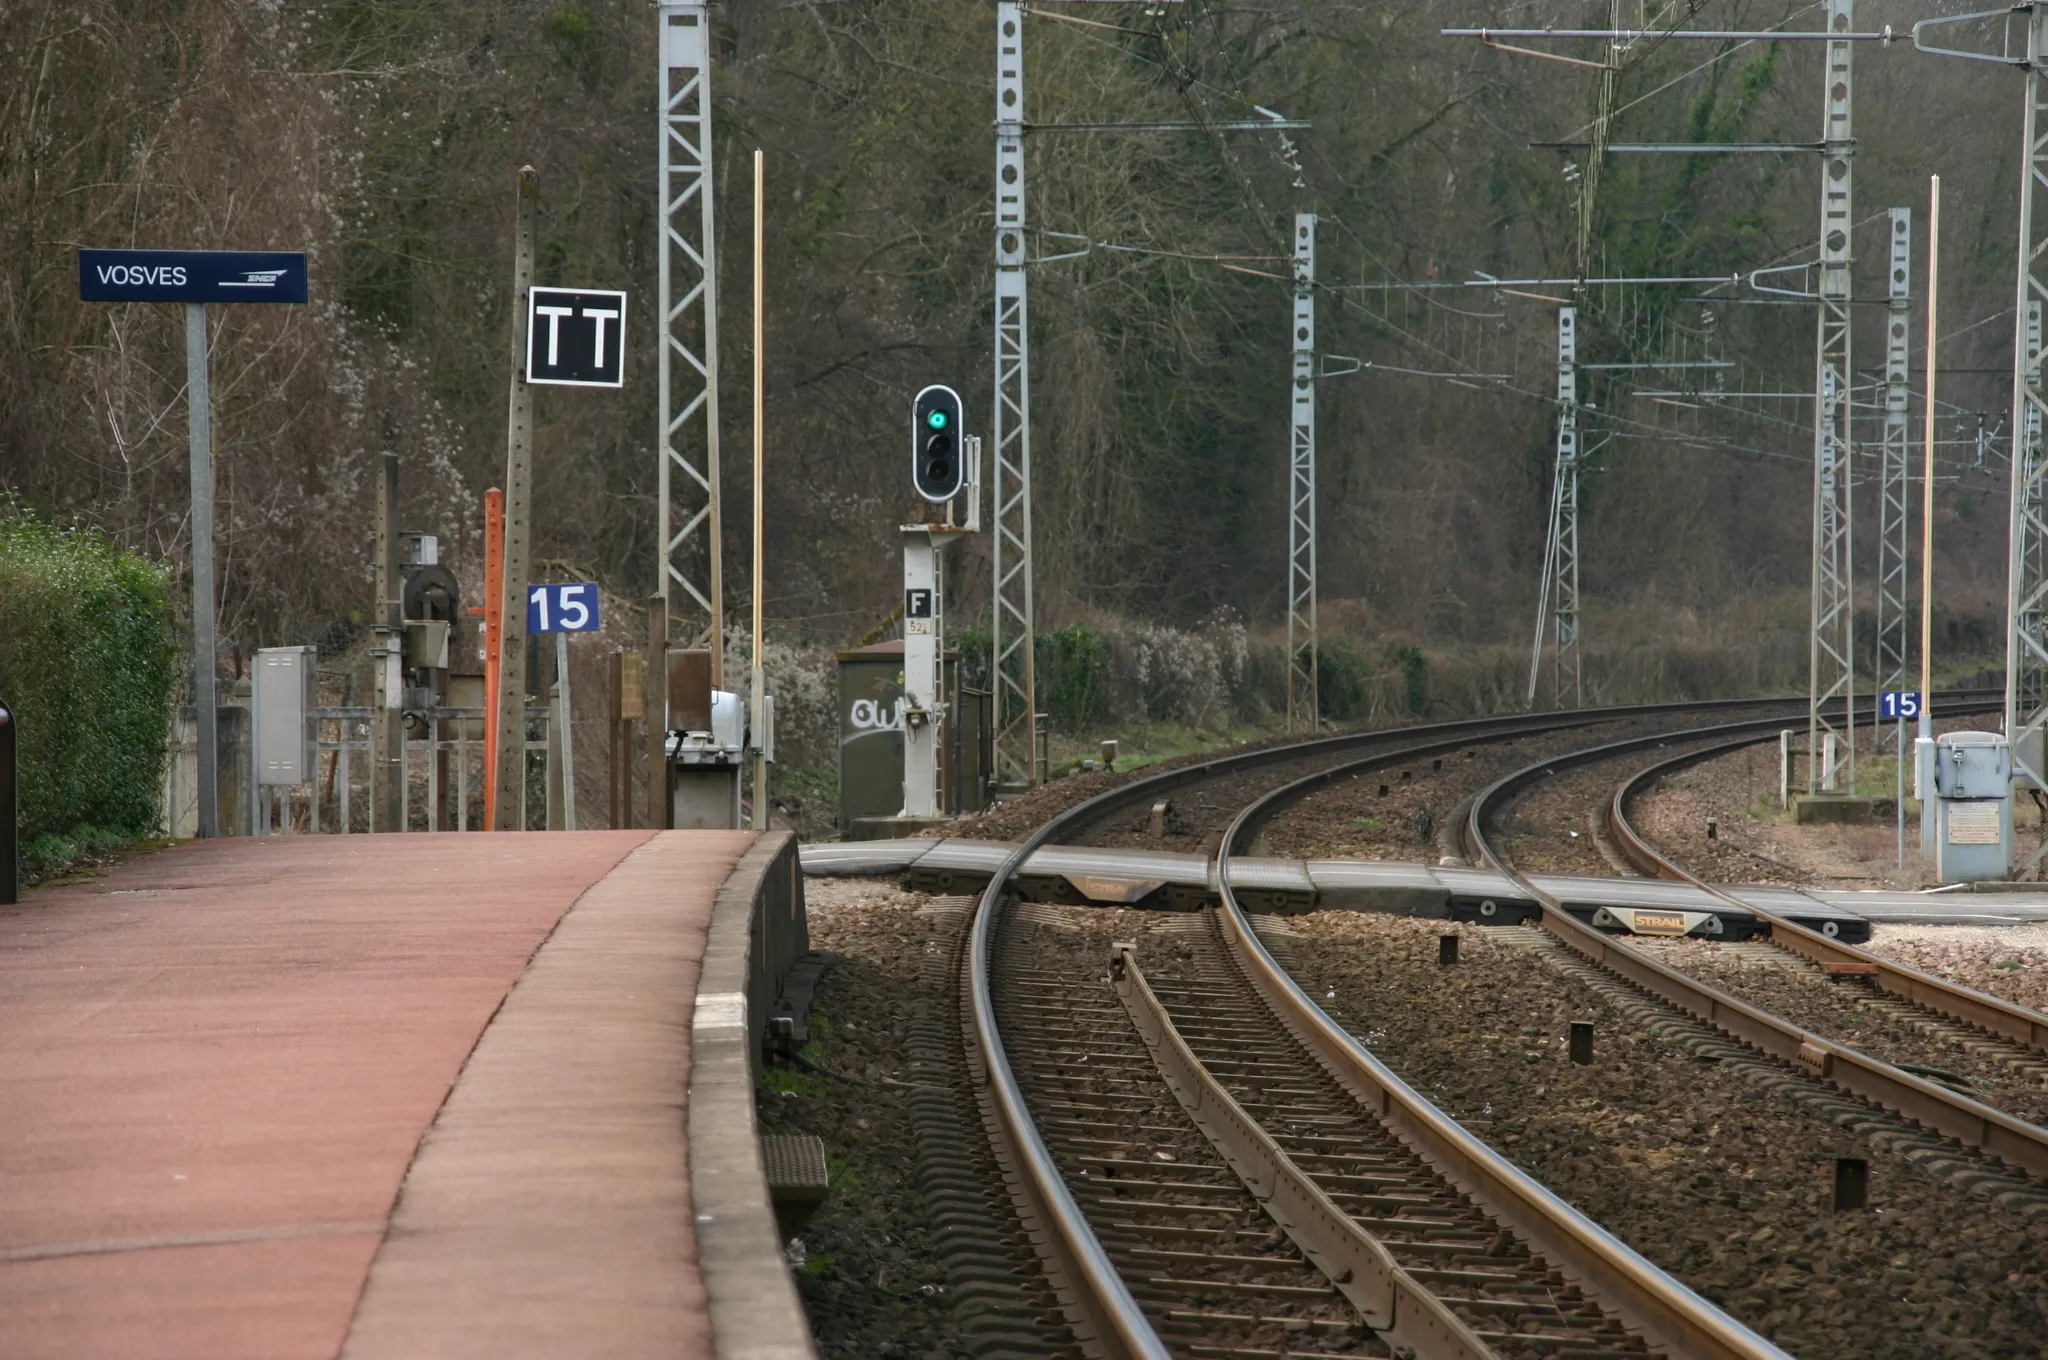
(382, 136)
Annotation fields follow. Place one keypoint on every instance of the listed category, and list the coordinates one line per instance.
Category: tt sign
(575, 338)
(191, 276)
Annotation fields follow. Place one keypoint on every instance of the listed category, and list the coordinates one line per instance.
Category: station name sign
(191, 276)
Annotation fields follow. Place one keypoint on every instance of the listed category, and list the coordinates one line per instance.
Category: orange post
(494, 627)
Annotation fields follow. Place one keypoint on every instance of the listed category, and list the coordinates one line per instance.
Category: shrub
(1415, 670)
(1071, 666)
(87, 662)
(1343, 682)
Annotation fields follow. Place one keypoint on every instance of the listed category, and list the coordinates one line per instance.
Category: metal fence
(444, 775)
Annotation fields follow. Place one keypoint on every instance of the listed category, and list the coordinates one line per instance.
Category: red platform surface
(218, 1061)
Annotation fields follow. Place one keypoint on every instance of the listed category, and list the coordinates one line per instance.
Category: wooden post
(654, 672)
(626, 703)
(511, 704)
(615, 739)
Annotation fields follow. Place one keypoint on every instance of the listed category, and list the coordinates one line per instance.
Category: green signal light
(937, 420)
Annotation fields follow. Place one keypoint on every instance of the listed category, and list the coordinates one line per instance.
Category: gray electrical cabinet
(1971, 806)
(285, 693)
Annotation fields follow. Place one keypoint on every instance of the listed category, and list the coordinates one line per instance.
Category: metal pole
(1893, 530)
(757, 685)
(1015, 662)
(567, 745)
(690, 514)
(387, 763)
(1303, 711)
(205, 698)
(1832, 649)
(494, 619)
(1899, 797)
(518, 527)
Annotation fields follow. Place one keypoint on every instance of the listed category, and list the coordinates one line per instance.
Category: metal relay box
(285, 692)
(1971, 810)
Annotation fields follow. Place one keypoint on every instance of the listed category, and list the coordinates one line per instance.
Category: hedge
(88, 660)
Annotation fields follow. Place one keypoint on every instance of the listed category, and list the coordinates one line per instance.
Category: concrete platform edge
(756, 1313)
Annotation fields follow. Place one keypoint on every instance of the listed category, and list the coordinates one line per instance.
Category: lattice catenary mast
(1894, 621)
(1831, 686)
(1303, 712)
(1563, 564)
(690, 522)
(1015, 679)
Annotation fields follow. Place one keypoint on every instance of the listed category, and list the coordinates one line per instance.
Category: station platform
(1182, 881)
(403, 1095)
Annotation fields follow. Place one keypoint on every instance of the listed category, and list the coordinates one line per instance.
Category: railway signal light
(937, 467)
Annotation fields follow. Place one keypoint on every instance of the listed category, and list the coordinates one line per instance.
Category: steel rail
(1662, 1308)
(1992, 1014)
(1390, 1300)
(1150, 786)
(1097, 1300)
(1946, 1112)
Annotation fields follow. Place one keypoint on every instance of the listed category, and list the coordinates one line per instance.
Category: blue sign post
(195, 278)
(562, 610)
(1900, 704)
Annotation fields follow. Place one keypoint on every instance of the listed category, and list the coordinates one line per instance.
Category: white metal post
(1015, 678)
(687, 436)
(1303, 711)
(923, 643)
(1831, 685)
(1894, 491)
(1831, 690)
(205, 696)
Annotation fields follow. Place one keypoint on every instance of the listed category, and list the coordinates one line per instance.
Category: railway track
(1927, 1103)
(1209, 1165)
(1991, 1017)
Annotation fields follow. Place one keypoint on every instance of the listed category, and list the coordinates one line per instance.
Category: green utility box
(871, 736)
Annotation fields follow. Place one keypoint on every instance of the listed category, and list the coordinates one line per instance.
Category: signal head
(937, 470)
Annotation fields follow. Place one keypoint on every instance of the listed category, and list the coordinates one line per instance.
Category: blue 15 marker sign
(575, 337)
(562, 608)
(1898, 703)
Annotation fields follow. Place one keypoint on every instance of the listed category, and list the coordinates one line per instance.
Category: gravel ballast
(1856, 1014)
(865, 1264)
(1721, 1182)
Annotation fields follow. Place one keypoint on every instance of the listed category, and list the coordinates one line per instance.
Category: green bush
(1072, 665)
(87, 660)
(1343, 682)
(1415, 670)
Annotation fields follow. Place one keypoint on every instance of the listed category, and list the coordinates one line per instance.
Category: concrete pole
(518, 527)
(205, 699)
